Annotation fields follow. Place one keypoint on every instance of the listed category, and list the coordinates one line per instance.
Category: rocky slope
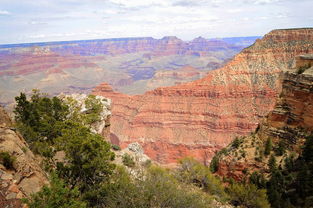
(287, 124)
(26, 176)
(198, 118)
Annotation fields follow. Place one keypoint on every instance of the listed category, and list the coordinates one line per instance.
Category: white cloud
(265, 1)
(33, 22)
(4, 12)
(140, 3)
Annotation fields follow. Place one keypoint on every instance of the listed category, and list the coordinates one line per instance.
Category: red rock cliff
(287, 123)
(198, 118)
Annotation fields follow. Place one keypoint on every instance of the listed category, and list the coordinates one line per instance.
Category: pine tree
(272, 163)
(268, 146)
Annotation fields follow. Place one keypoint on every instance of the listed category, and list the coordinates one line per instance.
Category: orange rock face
(288, 122)
(200, 117)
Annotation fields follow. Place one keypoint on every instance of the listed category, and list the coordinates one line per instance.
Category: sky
(24, 21)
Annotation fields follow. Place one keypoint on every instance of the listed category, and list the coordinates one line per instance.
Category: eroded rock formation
(77, 102)
(200, 117)
(26, 176)
(287, 124)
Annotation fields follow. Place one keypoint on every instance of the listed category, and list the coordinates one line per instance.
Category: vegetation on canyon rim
(288, 183)
(87, 177)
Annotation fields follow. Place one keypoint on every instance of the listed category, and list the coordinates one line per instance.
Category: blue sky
(54, 20)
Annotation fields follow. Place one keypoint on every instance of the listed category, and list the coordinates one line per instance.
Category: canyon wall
(200, 117)
(288, 124)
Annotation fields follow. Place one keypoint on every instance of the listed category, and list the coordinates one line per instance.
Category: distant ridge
(16, 45)
(230, 40)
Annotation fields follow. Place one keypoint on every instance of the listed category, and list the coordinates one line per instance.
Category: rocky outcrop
(26, 176)
(198, 118)
(77, 103)
(287, 124)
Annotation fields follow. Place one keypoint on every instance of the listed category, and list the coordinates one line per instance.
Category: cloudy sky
(52, 20)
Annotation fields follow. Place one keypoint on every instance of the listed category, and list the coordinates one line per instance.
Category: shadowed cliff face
(287, 123)
(200, 117)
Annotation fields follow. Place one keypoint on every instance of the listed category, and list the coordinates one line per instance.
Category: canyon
(129, 65)
(289, 123)
(199, 118)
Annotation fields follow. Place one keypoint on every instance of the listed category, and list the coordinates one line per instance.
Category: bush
(272, 163)
(268, 146)
(128, 160)
(247, 195)
(281, 149)
(88, 158)
(57, 195)
(115, 147)
(214, 164)
(157, 188)
(193, 172)
(236, 142)
(7, 160)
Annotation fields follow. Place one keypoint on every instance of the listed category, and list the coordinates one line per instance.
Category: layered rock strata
(200, 117)
(288, 123)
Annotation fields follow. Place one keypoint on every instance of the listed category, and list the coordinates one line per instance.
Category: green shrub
(115, 147)
(214, 164)
(128, 160)
(281, 148)
(268, 146)
(7, 160)
(57, 195)
(193, 172)
(236, 142)
(272, 163)
(247, 195)
(258, 179)
(157, 188)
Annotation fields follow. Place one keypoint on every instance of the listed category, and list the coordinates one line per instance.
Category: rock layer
(287, 123)
(200, 117)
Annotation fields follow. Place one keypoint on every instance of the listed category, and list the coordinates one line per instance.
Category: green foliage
(281, 149)
(258, 179)
(236, 142)
(7, 160)
(57, 195)
(40, 119)
(214, 164)
(94, 107)
(272, 163)
(193, 172)
(88, 157)
(268, 146)
(157, 188)
(216, 159)
(307, 154)
(90, 115)
(128, 160)
(115, 147)
(48, 125)
(247, 195)
(293, 185)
